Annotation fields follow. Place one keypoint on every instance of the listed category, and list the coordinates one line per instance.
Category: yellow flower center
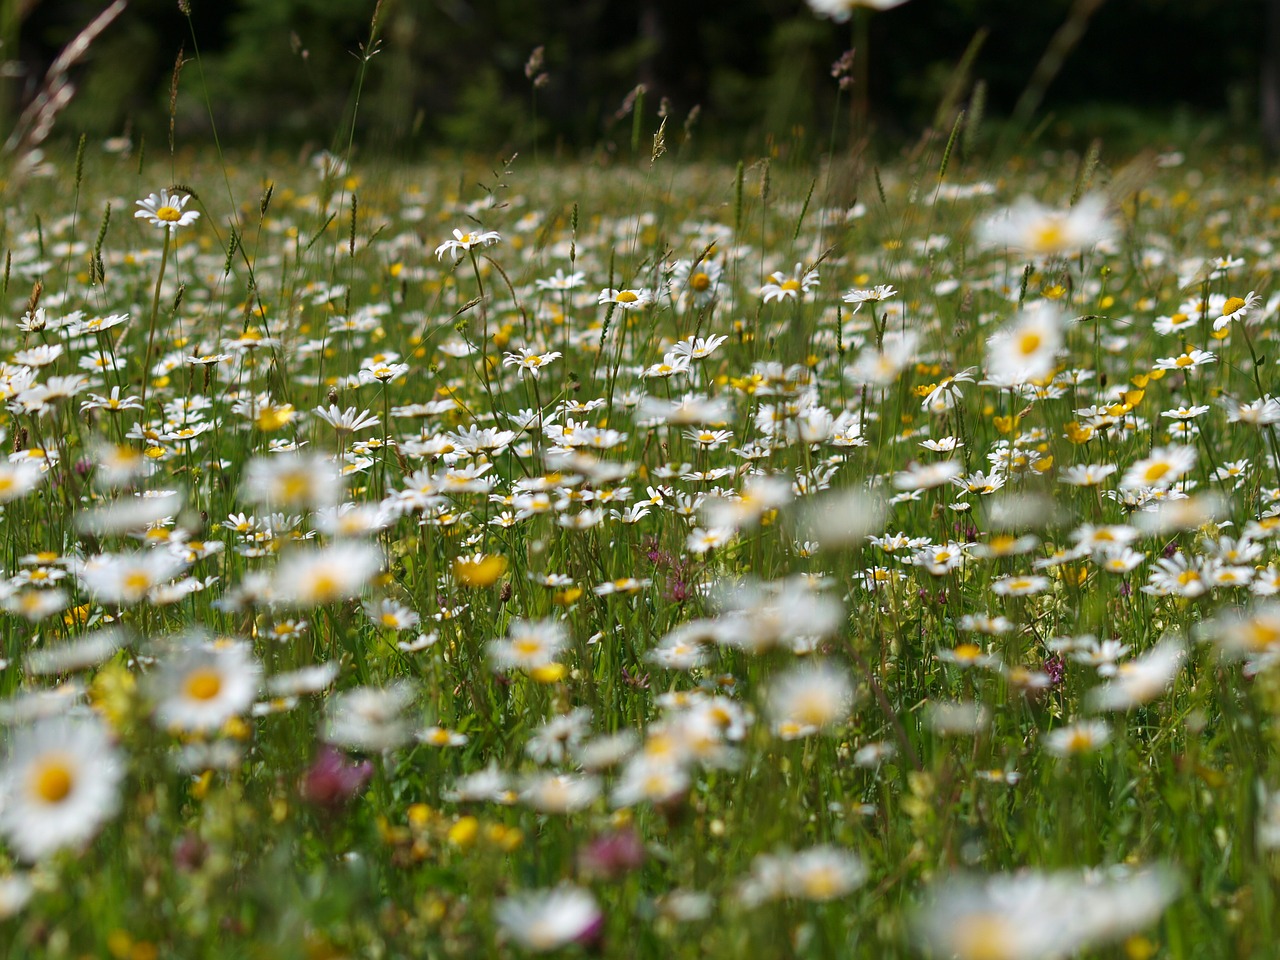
(136, 581)
(202, 684)
(790, 285)
(967, 652)
(984, 937)
(699, 282)
(169, 214)
(822, 884)
(1079, 740)
(1184, 361)
(325, 588)
(1048, 237)
(1029, 343)
(526, 646)
(53, 781)
(626, 296)
(1155, 472)
(1232, 305)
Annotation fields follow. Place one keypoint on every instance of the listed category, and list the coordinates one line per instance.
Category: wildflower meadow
(868, 554)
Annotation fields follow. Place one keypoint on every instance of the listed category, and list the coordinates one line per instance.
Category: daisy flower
(1026, 349)
(1236, 308)
(1042, 231)
(464, 242)
(699, 283)
(1187, 360)
(165, 209)
(1083, 736)
(204, 685)
(1164, 467)
(291, 481)
(1020, 586)
(530, 644)
(59, 784)
(841, 10)
(626, 299)
(544, 920)
(529, 361)
(562, 282)
(880, 292)
(782, 287)
(308, 578)
(810, 698)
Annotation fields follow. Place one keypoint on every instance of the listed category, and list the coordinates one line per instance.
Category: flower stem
(151, 325)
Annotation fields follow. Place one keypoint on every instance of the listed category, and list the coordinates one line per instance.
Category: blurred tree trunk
(1271, 80)
(650, 31)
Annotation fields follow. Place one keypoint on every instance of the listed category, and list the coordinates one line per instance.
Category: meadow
(639, 557)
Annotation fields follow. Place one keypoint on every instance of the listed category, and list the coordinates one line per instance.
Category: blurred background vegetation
(452, 73)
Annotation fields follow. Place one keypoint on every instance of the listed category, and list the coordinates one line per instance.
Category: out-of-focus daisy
(307, 578)
(126, 578)
(545, 920)
(1026, 349)
(59, 783)
(1142, 680)
(292, 481)
(819, 874)
(810, 698)
(1083, 736)
(1038, 916)
(841, 10)
(529, 645)
(370, 718)
(1043, 231)
(203, 685)
(781, 286)
(1164, 466)
(561, 281)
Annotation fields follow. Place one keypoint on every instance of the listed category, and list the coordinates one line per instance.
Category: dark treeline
(453, 72)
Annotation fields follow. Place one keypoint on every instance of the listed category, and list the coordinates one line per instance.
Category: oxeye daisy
(549, 919)
(165, 209)
(1236, 308)
(1043, 231)
(780, 286)
(529, 645)
(1083, 736)
(810, 698)
(313, 577)
(465, 242)
(698, 283)
(203, 685)
(1165, 466)
(1026, 349)
(58, 785)
(529, 361)
(626, 299)
(562, 282)
(841, 10)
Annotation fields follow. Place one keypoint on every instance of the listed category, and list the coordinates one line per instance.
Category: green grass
(227, 854)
